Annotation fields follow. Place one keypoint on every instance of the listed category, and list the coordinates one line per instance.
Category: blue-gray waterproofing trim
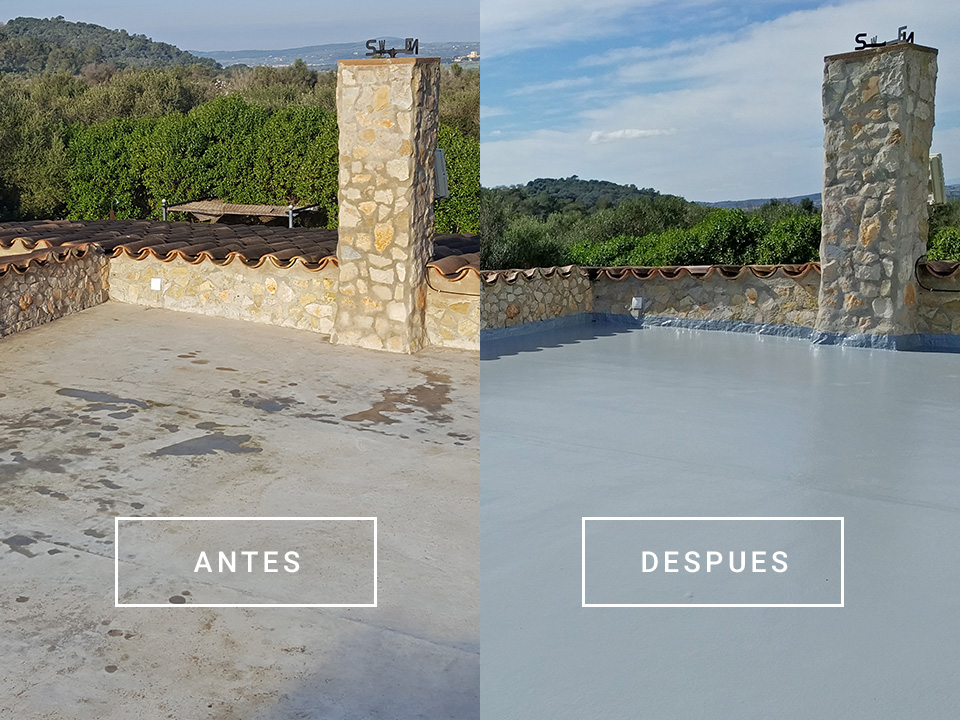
(537, 326)
(739, 326)
(919, 342)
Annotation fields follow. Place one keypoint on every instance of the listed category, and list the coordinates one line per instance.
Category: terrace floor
(265, 421)
(605, 421)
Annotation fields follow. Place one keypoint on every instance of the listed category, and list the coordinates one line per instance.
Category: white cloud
(553, 86)
(601, 136)
(487, 111)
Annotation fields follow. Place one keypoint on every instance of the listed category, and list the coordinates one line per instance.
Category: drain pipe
(164, 209)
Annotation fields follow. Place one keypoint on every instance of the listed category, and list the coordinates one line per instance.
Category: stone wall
(515, 297)
(938, 313)
(296, 297)
(387, 115)
(878, 118)
(453, 310)
(781, 296)
(47, 286)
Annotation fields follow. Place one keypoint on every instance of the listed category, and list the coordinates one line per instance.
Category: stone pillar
(387, 113)
(878, 117)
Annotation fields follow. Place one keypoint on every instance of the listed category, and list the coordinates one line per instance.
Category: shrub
(945, 245)
(793, 239)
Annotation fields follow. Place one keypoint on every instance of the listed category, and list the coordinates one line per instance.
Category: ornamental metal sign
(378, 48)
(902, 37)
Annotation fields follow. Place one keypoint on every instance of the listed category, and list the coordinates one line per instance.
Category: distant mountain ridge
(324, 57)
(953, 192)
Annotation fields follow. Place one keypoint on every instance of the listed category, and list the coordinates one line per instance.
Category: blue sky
(709, 100)
(258, 25)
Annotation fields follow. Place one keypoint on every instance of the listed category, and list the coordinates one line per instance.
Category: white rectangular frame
(116, 564)
(583, 568)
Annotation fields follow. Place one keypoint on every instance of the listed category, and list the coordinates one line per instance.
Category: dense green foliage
(645, 229)
(71, 145)
(37, 45)
(229, 148)
(945, 245)
(572, 221)
(543, 197)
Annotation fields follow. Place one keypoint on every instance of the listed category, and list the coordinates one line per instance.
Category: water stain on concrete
(94, 533)
(319, 417)
(199, 362)
(210, 445)
(20, 464)
(52, 493)
(226, 369)
(267, 404)
(100, 397)
(19, 543)
(270, 405)
(430, 397)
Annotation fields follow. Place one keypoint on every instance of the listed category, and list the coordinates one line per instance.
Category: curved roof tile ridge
(702, 272)
(20, 264)
(492, 277)
(222, 244)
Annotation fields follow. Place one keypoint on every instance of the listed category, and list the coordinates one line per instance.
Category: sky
(256, 25)
(700, 98)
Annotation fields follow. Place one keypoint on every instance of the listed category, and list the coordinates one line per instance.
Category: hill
(324, 57)
(543, 197)
(35, 45)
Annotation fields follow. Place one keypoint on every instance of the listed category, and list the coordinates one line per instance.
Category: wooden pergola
(213, 210)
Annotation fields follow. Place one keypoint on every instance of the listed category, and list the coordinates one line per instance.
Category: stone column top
(879, 51)
(390, 61)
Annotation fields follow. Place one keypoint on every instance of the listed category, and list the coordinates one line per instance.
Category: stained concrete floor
(121, 410)
(601, 421)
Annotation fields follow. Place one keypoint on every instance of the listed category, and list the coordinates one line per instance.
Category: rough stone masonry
(878, 117)
(387, 113)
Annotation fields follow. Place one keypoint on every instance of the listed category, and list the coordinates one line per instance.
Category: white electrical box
(938, 190)
(155, 284)
(638, 303)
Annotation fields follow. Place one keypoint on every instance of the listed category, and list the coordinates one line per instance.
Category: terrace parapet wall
(516, 297)
(770, 295)
(453, 310)
(938, 309)
(778, 295)
(878, 118)
(387, 115)
(48, 284)
(294, 296)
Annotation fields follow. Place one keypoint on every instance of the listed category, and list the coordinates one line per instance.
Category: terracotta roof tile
(195, 242)
(21, 263)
